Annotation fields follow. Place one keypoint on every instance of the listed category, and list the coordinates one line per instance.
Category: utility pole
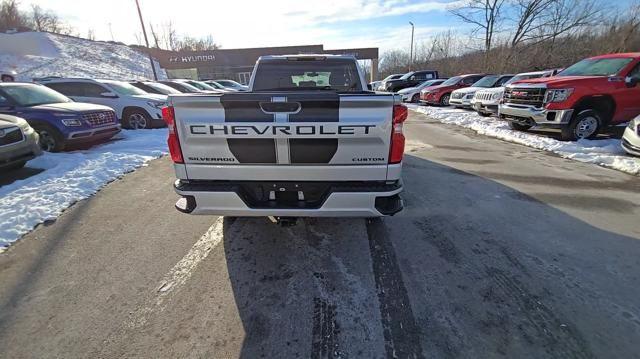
(146, 41)
(411, 52)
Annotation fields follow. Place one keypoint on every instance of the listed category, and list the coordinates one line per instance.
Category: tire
(136, 119)
(50, 139)
(484, 114)
(415, 98)
(444, 99)
(518, 126)
(586, 124)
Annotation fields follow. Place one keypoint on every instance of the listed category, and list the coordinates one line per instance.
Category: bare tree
(188, 43)
(632, 28)
(166, 37)
(11, 16)
(484, 15)
(45, 20)
(529, 18)
(169, 36)
(155, 36)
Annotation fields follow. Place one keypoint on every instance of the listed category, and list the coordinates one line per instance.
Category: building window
(243, 77)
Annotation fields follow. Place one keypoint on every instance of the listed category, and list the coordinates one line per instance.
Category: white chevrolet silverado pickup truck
(307, 140)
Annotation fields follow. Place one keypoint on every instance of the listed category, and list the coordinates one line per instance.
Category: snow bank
(606, 153)
(41, 54)
(70, 177)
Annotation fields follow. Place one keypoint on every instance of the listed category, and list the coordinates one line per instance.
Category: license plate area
(284, 194)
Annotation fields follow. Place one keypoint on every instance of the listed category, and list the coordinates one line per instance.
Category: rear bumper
(341, 199)
(530, 115)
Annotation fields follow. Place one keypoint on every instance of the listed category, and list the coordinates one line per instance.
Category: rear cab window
(331, 74)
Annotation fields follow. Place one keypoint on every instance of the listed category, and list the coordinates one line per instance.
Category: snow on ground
(71, 176)
(606, 153)
(41, 54)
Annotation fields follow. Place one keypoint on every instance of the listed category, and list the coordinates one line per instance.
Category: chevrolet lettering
(279, 130)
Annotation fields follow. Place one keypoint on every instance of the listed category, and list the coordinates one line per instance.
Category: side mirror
(369, 87)
(108, 95)
(631, 81)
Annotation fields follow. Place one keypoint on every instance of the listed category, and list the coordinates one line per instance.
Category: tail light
(400, 113)
(169, 117)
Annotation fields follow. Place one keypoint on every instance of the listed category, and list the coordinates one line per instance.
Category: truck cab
(581, 100)
(410, 79)
(307, 140)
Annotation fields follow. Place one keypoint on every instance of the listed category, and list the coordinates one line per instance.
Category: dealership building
(237, 64)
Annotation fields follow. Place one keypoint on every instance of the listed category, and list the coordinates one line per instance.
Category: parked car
(7, 76)
(230, 84)
(462, 97)
(379, 85)
(410, 79)
(486, 101)
(412, 94)
(440, 95)
(135, 108)
(57, 119)
(631, 137)
(204, 87)
(218, 86)
(581, 100)
(155, 87)
(18, 142)
(181, 86)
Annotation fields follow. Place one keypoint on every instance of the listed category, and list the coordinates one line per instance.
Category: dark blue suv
(58, 120)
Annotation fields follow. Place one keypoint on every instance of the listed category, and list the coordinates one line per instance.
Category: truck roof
(305, 56)
(615, 56)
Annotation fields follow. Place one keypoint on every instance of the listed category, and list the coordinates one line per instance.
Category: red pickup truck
(581, 100)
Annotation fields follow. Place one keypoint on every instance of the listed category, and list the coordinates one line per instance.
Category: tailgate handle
(280, 107)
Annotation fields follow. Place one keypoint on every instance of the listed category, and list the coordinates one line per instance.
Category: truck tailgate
(319, 136)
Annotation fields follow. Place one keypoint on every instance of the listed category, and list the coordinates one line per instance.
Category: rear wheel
(136, 119)
(444, 100)
(586, 124)
(50, 139)
(518, 126)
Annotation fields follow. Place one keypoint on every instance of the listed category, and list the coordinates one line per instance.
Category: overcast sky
(244, 23)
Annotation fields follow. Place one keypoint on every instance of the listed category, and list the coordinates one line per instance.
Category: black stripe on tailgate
(322, 107)
(246, 108)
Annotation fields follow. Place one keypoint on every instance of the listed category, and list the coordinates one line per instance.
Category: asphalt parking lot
(502, 251)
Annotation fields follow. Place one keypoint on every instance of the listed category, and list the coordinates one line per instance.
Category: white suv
(462, 97)
(486, 101)
(134, 107)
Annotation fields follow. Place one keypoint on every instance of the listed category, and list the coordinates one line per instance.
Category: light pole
(146, 41)
(411, 52)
